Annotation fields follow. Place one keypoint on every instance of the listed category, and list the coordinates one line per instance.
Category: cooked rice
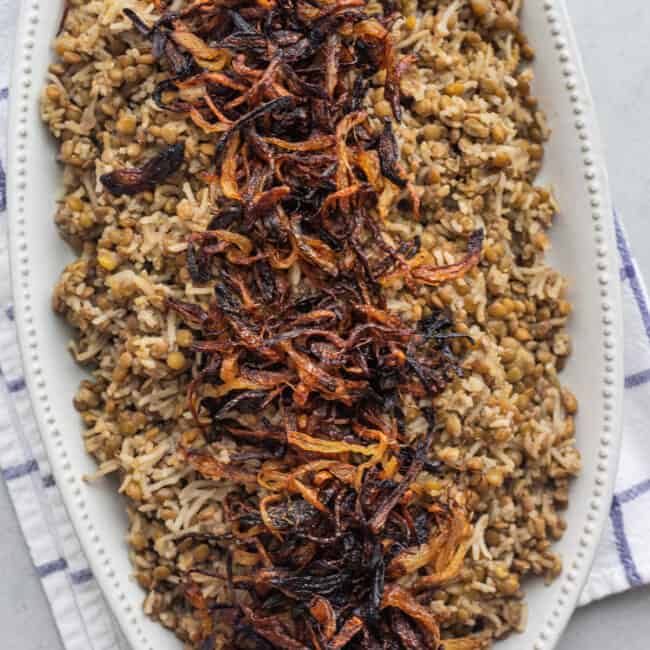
(472, 137)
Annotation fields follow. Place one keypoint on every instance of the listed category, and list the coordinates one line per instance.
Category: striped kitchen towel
(623, 558)
(83, 619)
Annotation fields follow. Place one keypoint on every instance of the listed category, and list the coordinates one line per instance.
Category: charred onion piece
(389, 156)
(152, 173)
(279, 104)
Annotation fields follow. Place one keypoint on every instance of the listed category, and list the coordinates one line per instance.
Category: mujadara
(323, 341)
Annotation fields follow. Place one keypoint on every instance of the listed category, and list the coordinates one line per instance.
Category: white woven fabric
(83, 619)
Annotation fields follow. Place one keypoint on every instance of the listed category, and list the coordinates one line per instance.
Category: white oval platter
(583, 249)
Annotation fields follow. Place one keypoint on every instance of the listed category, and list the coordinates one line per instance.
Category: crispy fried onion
(444, 551)
(434, 275)
(301, 372)
(139, 179)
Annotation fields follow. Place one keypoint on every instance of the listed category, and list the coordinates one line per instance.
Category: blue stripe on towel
(16, 385)
(81, 577)
(48, 481)
(637, 379)
(622, 544)
(18, 471)
(44, 570)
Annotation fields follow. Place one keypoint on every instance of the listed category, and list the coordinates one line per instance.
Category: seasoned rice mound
(472, 137)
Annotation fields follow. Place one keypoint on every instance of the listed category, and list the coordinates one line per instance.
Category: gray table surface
(613, 37)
